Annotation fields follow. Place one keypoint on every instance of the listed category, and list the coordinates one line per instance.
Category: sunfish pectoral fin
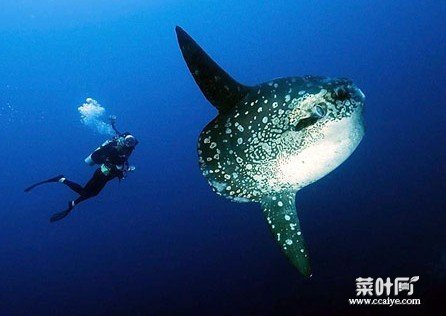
(280, 213)
(217, 86)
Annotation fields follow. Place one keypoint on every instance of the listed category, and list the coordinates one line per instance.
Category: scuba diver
(112, 156)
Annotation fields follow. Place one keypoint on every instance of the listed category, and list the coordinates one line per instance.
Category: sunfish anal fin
(280, 213)
(221, 90)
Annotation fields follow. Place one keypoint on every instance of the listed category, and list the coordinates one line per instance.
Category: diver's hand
(112, 119)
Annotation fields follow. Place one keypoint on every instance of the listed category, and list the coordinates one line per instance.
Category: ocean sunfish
(270, 140)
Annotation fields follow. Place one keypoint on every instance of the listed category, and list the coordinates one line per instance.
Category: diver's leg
(95, 185)
(91, 189)
(55, 179)
(72, 185)
(71, 204)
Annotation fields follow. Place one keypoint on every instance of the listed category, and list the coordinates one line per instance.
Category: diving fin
(58, 216)
(55, 179)
(61, 215)
(221, 90)
(280, 213)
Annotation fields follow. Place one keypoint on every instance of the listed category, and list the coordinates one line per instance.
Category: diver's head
(127, 140)
(130, 141)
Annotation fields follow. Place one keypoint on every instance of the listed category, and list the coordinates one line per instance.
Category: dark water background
(162, 242)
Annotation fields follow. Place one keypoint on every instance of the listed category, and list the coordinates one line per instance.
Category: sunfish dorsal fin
(280, 213)
(217, 86)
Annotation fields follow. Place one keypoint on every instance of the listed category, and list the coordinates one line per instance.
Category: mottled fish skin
(269, 141)
(255, 150)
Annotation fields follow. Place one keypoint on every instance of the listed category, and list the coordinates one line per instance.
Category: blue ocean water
(161, 242)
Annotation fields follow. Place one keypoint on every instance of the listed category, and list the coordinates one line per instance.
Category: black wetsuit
(111, 155)
(93, 186)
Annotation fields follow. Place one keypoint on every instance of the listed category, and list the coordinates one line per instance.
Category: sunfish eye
(341, 94)
(319, 111)
(316, 113)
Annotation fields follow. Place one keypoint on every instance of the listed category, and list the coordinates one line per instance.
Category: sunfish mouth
(357, 94)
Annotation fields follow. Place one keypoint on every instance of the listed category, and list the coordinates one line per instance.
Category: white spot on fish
(219, 186)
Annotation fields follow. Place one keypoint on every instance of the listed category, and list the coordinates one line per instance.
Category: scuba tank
(97, 157)
(89, 161)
